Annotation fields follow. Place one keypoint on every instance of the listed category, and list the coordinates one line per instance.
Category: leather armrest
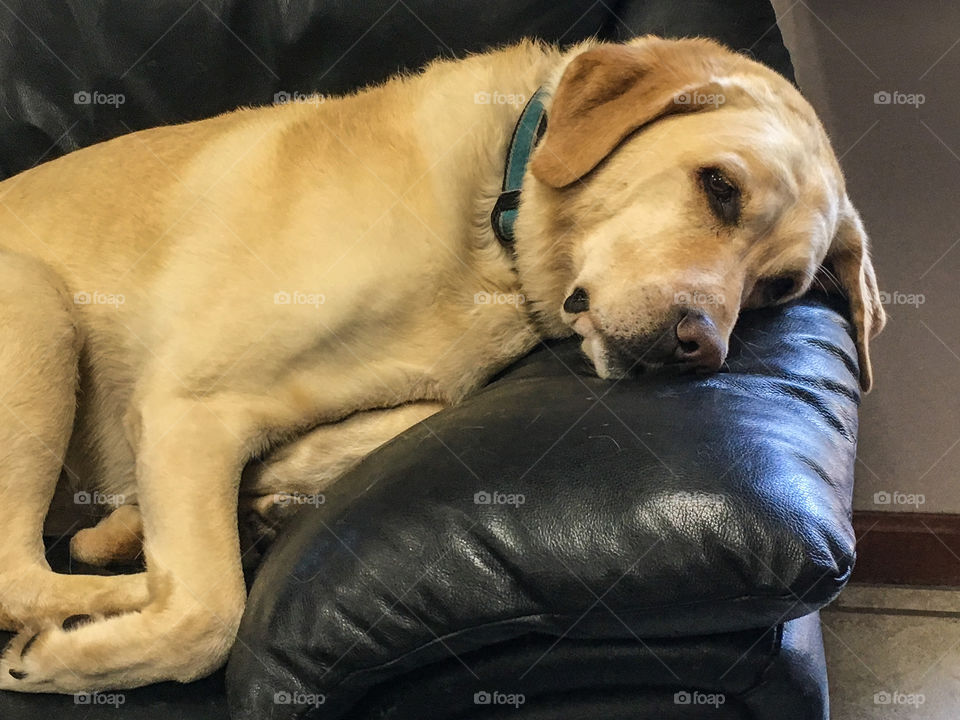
(557, 504)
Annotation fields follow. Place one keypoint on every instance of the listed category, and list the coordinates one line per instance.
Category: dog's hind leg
(39, 346)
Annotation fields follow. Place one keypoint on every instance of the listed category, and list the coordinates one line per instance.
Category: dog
(307, 280)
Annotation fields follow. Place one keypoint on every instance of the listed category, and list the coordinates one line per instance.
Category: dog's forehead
(784, 107)
(784, 150)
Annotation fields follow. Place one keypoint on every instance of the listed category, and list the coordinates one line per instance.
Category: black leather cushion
(179, 60)
(201, 700)
(656, 508)
(660, 678)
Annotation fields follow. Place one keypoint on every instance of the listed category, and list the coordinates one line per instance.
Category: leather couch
(555, 547)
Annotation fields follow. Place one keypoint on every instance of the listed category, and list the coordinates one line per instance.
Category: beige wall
(903, 168)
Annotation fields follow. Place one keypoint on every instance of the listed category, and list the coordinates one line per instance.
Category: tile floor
(893, 654)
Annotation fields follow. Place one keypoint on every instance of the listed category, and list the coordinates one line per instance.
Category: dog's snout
(577, 302)
(699, 343)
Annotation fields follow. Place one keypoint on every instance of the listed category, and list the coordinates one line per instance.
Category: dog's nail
(17, 674)
(75, 621)
(23, 650)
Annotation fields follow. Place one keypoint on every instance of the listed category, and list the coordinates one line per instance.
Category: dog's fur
(371, 212)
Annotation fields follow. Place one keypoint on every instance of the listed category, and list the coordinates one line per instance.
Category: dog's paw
(42, 597)
(37, 659)
(117, 538)
(13, 666)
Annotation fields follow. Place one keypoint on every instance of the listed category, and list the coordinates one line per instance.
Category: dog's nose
(578, 301)
(699, 342)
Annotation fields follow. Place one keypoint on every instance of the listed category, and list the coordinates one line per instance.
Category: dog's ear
(848, 266)
(608, 92)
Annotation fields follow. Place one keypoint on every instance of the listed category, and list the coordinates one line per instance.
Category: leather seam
(762, 675)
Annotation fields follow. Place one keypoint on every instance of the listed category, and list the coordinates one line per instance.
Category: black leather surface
(613, 680)
(656, 508)
(180, 60)
(202, 700)
(794, 686)
(607, 680)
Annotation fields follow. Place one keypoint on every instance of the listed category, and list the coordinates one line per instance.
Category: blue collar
(527, 133)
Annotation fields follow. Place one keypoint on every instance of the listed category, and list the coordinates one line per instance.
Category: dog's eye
(779, 288)
(722, 194)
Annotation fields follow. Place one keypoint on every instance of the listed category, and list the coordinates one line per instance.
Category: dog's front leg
(189, 457)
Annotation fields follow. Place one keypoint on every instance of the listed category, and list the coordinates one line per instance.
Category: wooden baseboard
(907, 548)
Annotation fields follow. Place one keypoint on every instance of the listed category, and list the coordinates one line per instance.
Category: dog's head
(677, 184)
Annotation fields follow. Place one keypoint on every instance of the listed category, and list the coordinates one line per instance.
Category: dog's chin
(609, 366)
(606, 366)
(593, 348)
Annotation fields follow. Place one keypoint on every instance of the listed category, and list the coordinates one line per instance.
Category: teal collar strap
(527, 133)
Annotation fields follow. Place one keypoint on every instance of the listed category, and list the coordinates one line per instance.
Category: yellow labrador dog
(178, 301)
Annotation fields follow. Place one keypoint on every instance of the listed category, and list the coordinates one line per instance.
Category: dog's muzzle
(690, 341)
